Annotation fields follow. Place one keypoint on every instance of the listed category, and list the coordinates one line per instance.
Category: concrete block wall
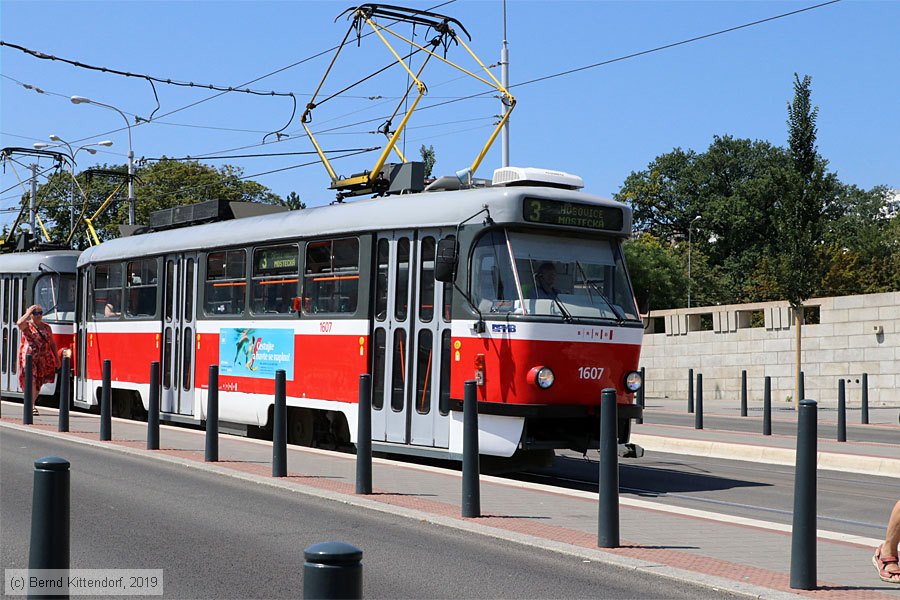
(855, 335)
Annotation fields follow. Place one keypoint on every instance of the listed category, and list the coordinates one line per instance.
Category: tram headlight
(633, 381)
(543, 377)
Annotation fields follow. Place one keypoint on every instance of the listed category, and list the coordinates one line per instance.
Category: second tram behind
(423, 291)
(44, 277)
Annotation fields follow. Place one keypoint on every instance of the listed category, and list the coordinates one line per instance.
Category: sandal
(34, 412)
(881, 564)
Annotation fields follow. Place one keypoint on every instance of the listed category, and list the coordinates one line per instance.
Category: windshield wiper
(567, 317)
(620, 318)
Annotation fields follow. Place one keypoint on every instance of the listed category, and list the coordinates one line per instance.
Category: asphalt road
(224, 538)
(827, 428)
(846, 502)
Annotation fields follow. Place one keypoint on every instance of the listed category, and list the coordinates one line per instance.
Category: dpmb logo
(503, 328)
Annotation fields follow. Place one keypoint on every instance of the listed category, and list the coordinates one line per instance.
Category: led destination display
(573, 214)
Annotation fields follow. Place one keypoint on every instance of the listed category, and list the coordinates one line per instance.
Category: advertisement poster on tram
(257, 353)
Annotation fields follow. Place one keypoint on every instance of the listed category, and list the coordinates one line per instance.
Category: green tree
(855, 225)
(428, 158)
(733, 186)
(160, 185)
(656, 273)
(799, 223)
(293, 201)
(665, 196)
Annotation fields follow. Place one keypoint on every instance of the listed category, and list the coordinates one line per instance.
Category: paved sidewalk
(740, 555)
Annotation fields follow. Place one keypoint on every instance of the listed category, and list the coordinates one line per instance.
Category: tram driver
(545, 280)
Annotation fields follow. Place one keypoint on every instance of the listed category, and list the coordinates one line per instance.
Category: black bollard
(27, 400)
(690, 390)
(63, 383)
(105, 404)
(332, 570)
(279, 427)
(608, 520)
(212, 416)
(842, 412)
(698, 416)
(767, 407)
(803, 535)
(153, 409)
(640, 398)
(744, 393)
(49, 547)
(471, 472)
(364, 436)
(864, 402)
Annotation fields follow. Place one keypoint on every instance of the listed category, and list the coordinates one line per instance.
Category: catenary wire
(674, 44)
(266, 154)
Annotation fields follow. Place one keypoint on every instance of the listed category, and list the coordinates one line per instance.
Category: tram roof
(407, 211)
(62, 261)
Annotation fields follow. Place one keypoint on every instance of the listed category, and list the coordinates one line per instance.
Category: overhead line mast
(374, 181)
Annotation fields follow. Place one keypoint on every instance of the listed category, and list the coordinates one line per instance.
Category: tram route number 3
(593, 373)
(325, 326)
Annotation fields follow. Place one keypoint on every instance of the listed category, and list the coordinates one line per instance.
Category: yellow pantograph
(366, 15)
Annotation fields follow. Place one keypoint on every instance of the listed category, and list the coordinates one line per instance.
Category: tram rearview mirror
(445, 260)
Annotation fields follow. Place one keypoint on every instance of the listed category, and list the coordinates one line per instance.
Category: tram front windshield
(56, 294)
(542, 274)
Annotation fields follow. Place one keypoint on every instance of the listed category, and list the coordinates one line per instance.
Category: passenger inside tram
(110, 310)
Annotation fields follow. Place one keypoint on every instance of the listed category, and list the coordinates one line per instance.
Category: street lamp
(72, 154)
(690, 229)
(83, 100)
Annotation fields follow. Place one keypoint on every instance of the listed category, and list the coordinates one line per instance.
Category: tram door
(12, 298)
(83, 313)
(179, 334)
(408, 338)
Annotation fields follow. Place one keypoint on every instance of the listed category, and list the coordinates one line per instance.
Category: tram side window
(381, 281)
(447, 297)
(140, 288)
(275, 276)
(226, 282)
(107, 298)
(331, 277)
(426, 280)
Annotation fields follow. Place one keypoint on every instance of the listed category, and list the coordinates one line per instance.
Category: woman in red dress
(37, 340)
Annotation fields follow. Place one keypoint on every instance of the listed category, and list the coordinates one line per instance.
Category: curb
(847, 463)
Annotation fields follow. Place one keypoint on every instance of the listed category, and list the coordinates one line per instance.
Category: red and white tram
(39, 277)
(424, 291)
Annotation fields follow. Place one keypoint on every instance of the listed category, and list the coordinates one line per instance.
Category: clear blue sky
(600, 123)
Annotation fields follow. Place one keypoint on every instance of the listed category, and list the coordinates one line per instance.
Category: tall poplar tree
(799, 224)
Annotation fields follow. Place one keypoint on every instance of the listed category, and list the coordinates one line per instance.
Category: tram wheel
(300, 427)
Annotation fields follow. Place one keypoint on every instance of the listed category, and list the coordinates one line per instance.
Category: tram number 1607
(592, 373)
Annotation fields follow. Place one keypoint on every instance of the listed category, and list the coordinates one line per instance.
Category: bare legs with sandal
(885, 559)
(36, 390)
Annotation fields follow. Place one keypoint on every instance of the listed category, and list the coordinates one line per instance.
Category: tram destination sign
(573, 214)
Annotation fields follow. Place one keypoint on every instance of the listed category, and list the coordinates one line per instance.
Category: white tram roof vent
(510, 176)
